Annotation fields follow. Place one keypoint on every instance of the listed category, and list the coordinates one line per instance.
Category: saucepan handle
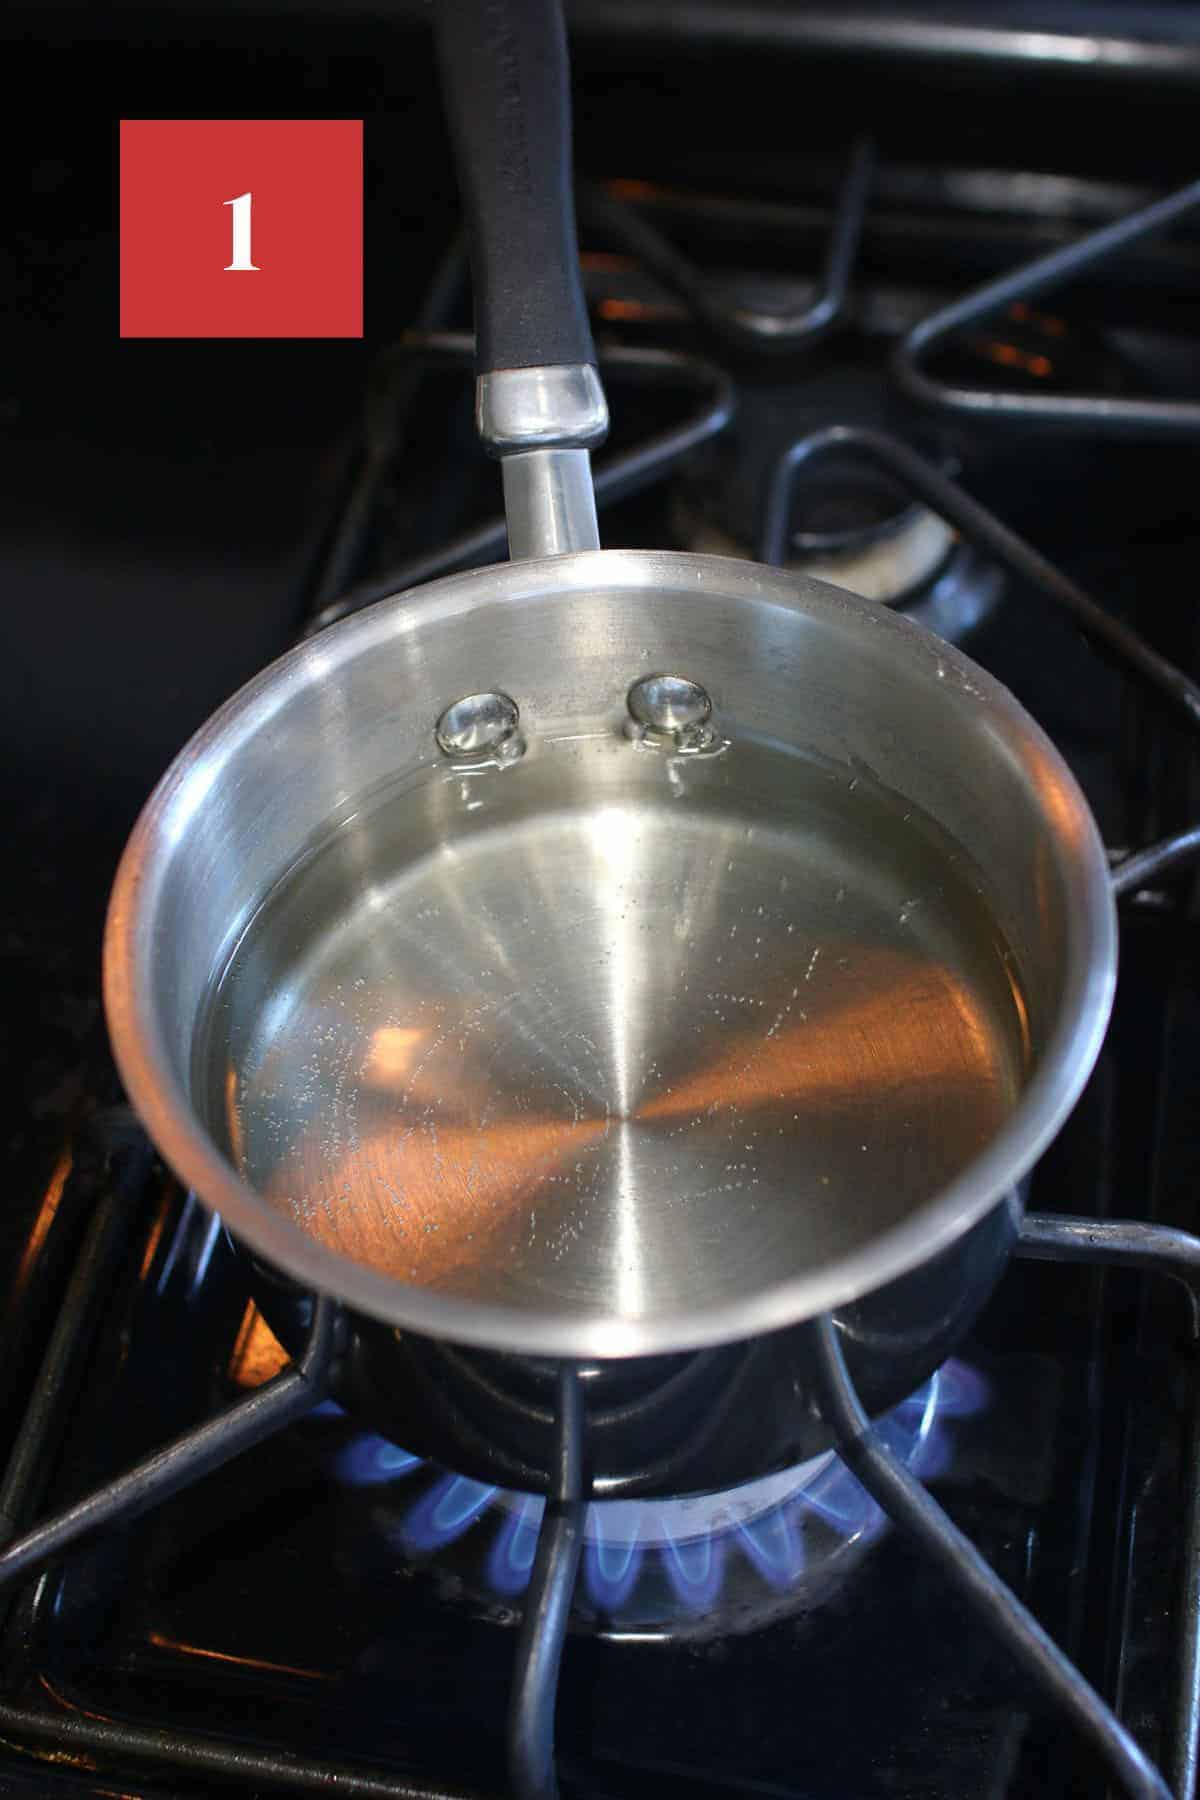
(507, 94)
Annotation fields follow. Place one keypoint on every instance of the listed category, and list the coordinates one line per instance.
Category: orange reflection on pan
(421, 1201)
(897, 1043)
(232, 1116)
(392, 1055)
(904, 1025)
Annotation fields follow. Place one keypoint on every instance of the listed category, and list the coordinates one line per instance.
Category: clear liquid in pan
(613, 1031)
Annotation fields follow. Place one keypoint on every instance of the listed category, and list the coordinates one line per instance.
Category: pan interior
(614, 1031)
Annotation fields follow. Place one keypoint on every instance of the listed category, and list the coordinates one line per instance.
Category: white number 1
(241, 233)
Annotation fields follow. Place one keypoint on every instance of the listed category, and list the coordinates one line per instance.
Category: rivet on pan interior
(481, 728)
(671, 710)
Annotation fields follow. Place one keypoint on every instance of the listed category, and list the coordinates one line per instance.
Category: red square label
(248, 228)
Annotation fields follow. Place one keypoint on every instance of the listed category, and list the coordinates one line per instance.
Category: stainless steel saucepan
(611, 953)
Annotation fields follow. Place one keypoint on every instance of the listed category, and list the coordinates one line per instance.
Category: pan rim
(986, 1181)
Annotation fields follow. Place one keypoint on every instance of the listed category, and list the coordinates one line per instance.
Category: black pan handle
(507, 94)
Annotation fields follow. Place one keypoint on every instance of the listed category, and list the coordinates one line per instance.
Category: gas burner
(692, 1567)
(901, 555)
(851, 525)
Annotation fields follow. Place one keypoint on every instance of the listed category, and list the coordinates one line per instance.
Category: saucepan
(614, 956)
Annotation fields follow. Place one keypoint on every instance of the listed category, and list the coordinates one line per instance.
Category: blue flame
(696, 1567)
(449, 1508)
(840, 1499)
(611, 1566)
(774, 1546)
(956, 1391)
(368, 1460)
(328, 1409)
(622, 1536)
(511, 1556)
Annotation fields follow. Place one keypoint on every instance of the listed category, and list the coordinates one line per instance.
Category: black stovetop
(323, 1601)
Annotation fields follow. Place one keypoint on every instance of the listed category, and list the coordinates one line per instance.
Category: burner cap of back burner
(852, 524)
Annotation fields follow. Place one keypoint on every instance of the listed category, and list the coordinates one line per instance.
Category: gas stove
(800, 367)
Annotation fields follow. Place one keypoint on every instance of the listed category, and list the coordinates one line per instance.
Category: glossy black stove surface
(281, 1594)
